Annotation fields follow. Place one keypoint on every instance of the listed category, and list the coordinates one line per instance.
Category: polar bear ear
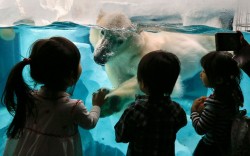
(100, 15)
(137, 29)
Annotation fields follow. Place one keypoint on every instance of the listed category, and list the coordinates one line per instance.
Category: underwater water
(14, 46)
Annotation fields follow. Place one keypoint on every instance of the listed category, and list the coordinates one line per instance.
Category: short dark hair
(159, 70)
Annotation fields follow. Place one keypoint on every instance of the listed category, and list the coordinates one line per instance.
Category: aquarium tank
(24, 21)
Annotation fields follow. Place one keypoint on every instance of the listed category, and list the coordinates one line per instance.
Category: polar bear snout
(100, 60)
(101, 52)
(101, 57)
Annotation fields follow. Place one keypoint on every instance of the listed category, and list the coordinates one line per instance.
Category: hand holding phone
(242, 56)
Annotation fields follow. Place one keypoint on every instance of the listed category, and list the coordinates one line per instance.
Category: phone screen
(227, 41)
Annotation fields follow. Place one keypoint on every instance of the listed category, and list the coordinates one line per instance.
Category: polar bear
(119, 46)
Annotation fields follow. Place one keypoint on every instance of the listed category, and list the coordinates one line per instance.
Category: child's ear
(71, 81)
(143, 87)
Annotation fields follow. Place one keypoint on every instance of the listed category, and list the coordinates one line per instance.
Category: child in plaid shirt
(151, 122)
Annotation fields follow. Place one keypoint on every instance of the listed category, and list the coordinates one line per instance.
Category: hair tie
(27, 60)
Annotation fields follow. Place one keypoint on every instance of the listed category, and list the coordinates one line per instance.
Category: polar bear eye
(102, 32)
(119, 41)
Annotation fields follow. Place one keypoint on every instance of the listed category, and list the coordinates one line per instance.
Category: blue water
(99, 141)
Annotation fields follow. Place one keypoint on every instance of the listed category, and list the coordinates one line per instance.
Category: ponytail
(237, 95)
(17, 98)
(231, 91)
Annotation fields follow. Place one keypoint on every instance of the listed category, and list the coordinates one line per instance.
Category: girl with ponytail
(46, 121)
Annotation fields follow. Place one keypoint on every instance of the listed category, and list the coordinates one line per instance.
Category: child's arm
(125, 127)
(87, 119)
(181, 118)
(204, 121)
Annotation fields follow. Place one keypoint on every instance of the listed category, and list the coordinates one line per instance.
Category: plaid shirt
(150, 126)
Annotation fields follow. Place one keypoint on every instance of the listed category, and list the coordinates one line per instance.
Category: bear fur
(119, 46)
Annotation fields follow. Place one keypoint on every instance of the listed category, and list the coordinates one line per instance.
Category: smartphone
(227, 41)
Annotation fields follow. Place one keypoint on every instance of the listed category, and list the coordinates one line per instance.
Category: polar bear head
(114, 33)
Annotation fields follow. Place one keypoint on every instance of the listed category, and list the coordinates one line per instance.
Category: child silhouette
(46, 120)
(151, 122)
(212, 116)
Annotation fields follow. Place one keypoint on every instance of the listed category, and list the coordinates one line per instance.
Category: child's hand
(198, 104)
(98, 97)
(243, 42)
(200, 108)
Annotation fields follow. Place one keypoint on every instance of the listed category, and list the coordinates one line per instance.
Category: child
(151, 122)
(46, 121)
(212, 116)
